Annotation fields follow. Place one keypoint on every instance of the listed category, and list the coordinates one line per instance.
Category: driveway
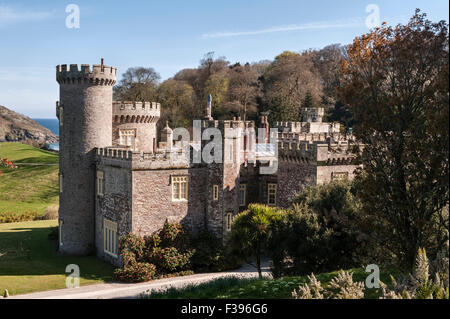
(132, 291)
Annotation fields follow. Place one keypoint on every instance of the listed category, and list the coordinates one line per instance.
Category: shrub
(161, 254)
(133, 244)
(210, 255)
(16, 218)
(428, 280)
(319, 233)
(169, 259)
(51, 213)
(136, 272)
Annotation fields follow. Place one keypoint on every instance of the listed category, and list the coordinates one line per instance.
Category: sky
(170, 35)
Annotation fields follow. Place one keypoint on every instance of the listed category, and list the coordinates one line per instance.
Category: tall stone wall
(153, 204)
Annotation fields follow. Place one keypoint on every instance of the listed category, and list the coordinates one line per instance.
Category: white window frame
(178, 183)
(126, 134)
(215, 192)
(110, 238)
(243, 200)
(100, 183)
(272, 189)
(228, 221)
(339, 176)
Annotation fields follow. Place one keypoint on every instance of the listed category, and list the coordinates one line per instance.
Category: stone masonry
(116, 178)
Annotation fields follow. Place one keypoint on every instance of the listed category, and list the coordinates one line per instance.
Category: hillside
(33, 186)
(15, 127)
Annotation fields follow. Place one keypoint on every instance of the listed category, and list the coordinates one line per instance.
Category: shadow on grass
(28, 251)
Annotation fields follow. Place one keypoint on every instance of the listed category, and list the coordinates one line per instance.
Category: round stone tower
(85, 114)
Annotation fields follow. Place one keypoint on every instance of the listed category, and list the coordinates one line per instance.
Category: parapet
(316, 152)
(136, 112)
(98, 75)
(227, 124)
(178, 158)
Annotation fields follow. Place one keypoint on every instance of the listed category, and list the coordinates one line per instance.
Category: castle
(116, 177)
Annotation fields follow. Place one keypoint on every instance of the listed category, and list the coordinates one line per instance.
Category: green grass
(29, 261)
(28, 188)
(236, 288)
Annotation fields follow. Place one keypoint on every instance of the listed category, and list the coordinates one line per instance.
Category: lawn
(28, 188)
(29, 261)
(238, 288)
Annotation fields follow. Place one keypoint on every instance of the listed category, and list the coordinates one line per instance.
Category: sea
(52, 125)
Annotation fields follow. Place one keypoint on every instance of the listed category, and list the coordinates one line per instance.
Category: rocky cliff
(15, 127)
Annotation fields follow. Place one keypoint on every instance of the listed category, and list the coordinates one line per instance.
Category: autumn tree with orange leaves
(396, 81)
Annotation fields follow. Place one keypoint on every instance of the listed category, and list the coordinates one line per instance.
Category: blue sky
(169, 36)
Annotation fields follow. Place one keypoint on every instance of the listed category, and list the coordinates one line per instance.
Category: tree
(327, 63)
(309, 101)
(286, 82)
(250, 231)
(137, 84)
(178, 100)
(243, 90)
(396, 80)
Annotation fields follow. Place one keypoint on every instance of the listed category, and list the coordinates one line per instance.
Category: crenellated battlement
(97, 75)
(136, 112)
(225, 124)
(177, 158)
(308, 127)
(325, 153)
(315, 137)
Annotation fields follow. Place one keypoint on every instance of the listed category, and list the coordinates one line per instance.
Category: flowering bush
(163, 253)
(136, 272)
(4, 162)
(133, 244)
(169, 259)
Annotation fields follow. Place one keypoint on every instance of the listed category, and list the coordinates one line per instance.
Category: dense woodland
(282, 86)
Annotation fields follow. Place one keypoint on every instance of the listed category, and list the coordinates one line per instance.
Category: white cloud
(12, 15)
(350, 23)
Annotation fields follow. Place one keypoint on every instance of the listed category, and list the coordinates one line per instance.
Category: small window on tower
(271, 194)
(61, 115)
(60, 232)
(228, 221)
(243, 195)
(61, 183)
(126, 137)
(100, 183)
(216, 192)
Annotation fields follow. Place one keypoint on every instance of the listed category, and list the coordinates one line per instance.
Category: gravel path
(132, 291)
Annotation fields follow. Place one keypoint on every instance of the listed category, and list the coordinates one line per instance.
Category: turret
(166, 138)
(208, 115)
(134, 125)
(85, 113)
